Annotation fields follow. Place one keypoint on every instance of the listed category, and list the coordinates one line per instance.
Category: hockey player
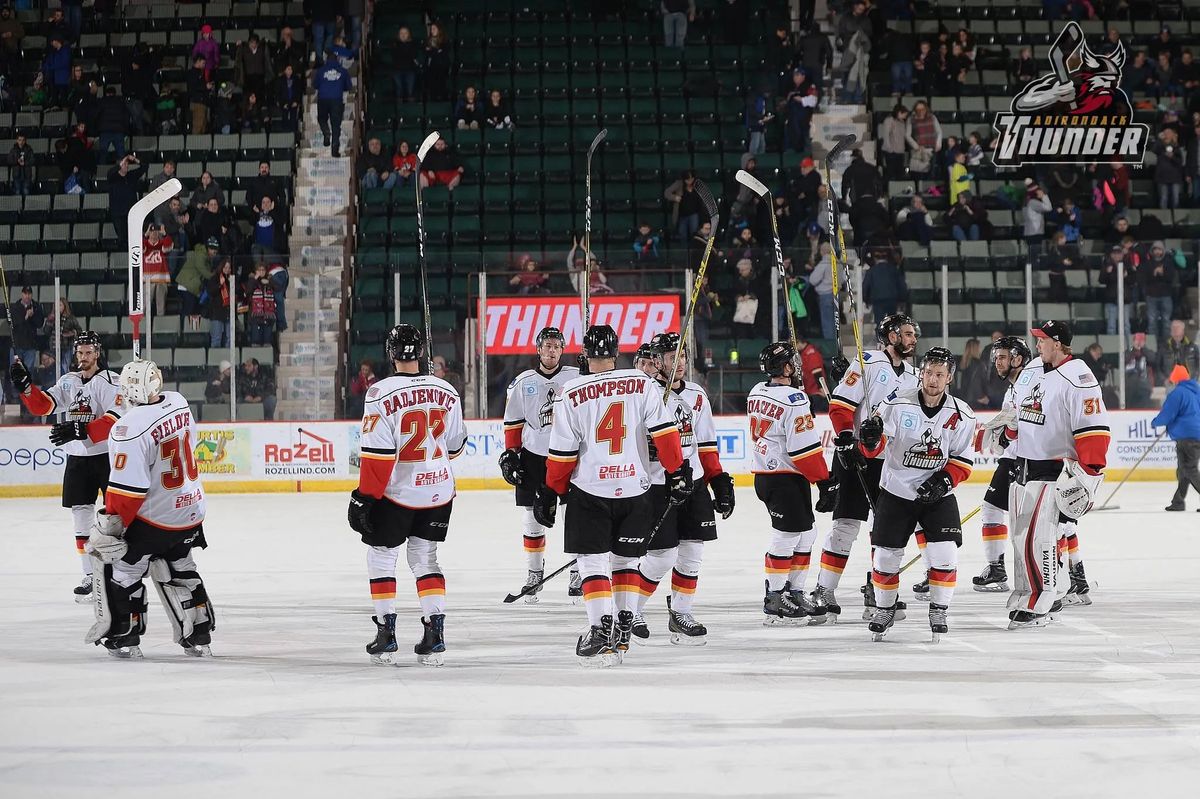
(412, 427)
(788, 457)
(678, 546)
(925, 437)
(90, 397)
(598, 453)
(527, 417)
(853, 401)
(152, 519)
(1061, 449)
(1010, 354)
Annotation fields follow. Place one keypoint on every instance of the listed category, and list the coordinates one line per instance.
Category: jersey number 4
(177, 452)
(611, 428)
(418, 426)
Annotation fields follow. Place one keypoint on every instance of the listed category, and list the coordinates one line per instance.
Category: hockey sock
(626, 592)
(779, 558)
(381, 571)
(1073, 555)
(922, 548)
(653, 566)
(885, 575)
(535, 541)
(83, 515)
(597, 588)
(801, 559)
(837, 552)
(685, 574)
(431, 585)
(995, 532)
(943, 571)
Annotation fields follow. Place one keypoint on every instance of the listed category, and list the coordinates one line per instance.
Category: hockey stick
(710, 206)
(7, 299)
(134, 223)
(423, 151)
(585, 287)
(758, 187)
(860, 470)
(1153, 444)
(963, 521)
(837, 241)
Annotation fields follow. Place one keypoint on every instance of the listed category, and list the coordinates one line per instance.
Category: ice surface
(1106, 703)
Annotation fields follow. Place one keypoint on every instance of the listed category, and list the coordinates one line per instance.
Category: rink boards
(324, 456)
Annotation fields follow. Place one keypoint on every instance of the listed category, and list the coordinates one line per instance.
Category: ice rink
(1104, 703)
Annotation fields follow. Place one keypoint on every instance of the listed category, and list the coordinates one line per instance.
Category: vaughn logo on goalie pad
(927, 454)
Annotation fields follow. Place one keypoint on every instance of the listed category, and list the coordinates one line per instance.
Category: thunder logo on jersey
(80, 409)
(1031, 408)
(546, 412)
(925, 454)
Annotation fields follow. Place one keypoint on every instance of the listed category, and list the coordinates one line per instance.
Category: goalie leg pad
(184, 598)
(119, 600)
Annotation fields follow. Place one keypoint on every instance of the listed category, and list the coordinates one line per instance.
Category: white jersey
(688, 405)
(920, 441)
(86, 400)
(1060, 414)
(783, 431)
(412, 428)
(152, 464)
(856, 398)
(529, 409)
(602, 427)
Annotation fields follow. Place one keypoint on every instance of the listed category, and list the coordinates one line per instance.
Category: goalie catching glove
(722, 488)
(359, 512)
(510, 467)
(107, 541)
(1075, 490)
(545, 505)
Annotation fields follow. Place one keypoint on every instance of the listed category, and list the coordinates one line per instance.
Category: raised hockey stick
(710, 207)
(758, 187)
(963, 521)
(1153, 444)
(135, 223)
(423, 151)
(7, 299)
(585, 285)
(837, 241)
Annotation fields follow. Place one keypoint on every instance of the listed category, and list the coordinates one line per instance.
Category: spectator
(261, 296)
(781, 51)
(758, 116)
(1169, 171)
(207, 189)
(442, 370)
(222, 113)
(192, 281)
(598, 284)
(57, 26)
(856, 66)
(1059, 258)
(801, 103)
(175, 223)
(124, 189)
(804, 189)
(217, 390)
(442, 167)
(27, 320)
(968, 218)
(530, 280)
(860, 179)
(112, 124)
(200, 94)
(56, 69)
(289, 97)
(924, 138)
(206, 47)
(706, 300)
(1158, 278)
(155, 247)
(812, 371)
(261, 185)
(222, 294)
(1037, 205)
(12, 33)
(137, 84)
(324, 14)
(1138, 75)
(745, 311)
(821, 282)
(468, 113)
(358, 389)
(1181, 350)
(437, 64)
(1164, 76)
(270, 230)
(289, 52)
(884, 286)
(955, 68)
(1187, 73)
(869, 220)
(278, 272)
(974, 150)
(676, 16)
(1093, 356)
(1180, 414)
(1192, 171)
(686, 205)
(406, 60)
(257, 387)
(960, 176)
(252, 66)
(901, 53)
(168, 172)
(816, 56)
(856, 21)
(893, 142)
(496, 113)
(375, 167)
(645, 245)
(1070, 220)
(332, 82)
(69, 329)
(914, 224)
(971, 376)
(21, 161)
(1141, 373)
(926, 68)
(404, 163)
(210, 221)
(252, 114)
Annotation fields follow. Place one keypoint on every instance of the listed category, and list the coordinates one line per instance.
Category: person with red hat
(206, 47)
(1180, 414)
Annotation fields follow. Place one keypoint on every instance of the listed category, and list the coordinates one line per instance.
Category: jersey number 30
(177, 452)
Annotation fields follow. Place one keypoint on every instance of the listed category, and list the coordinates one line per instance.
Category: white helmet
(141, 381)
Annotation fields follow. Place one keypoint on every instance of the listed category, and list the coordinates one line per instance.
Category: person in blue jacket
(332, 82)
(1180, 414)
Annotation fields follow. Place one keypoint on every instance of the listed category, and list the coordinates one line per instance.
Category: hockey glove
(871, 432)
(935, 487)
(827, 499)
(359, 512)
(545, 505)
(20, 378)
(838, 366)
(583, 364)
(63, 432)
(107, 540)
(848, 453)
(510, 467)
(722, 488)
(679, 484)
(1075, 490)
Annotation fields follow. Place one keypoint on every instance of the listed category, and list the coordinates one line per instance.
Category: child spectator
(468, 114)
(262, 306)
(530, 280)
(404, 163)
(645, 245)
(496, 113)
(155, 248)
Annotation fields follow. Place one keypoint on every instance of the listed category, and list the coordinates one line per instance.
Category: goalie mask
(141, 382)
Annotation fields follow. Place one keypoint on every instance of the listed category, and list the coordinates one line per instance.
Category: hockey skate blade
(432, 659)
(688, 640)
(869, 613)
(83, 599)
(781, 621)
(202, 651)
(384, 659)
(878, 638)
(126, 653)
(994, 588)
(920, 597)
(1076, 600)
(532, 599)
(935, 638)
(604, 660)
(641, 641)
(1028, 625)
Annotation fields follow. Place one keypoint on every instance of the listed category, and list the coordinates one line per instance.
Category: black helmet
(939, 355)
(776, 356)
(892, 324)
(404, 343)
(1015, 346)
(600, 341)
(662, 343)
(548, 334)
(645, 352)
(90, 338)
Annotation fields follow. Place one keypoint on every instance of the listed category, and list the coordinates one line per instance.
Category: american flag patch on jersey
(372, 393)
(120, 430)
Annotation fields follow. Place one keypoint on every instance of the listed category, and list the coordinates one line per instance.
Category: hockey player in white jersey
(91, 400)
(1010, 355)
(678, 546)
(925, 436)
(528, 413)
(854, 400)
(412, 428)
(1061, 448)
(152, 520)
(599, 457)
(788, 457)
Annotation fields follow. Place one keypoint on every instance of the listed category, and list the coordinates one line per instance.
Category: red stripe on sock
(885, 582)
(683, 583)
(801, 560)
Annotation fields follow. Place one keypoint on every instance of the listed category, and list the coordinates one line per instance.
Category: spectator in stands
(1139, 76)
(496, 113)
(12, 33)
(821, 281)
(82, 94)
(970, 376)
(1169, 171)
(342, 52)
(261, 296)
(781, 53)
(746, 306)
(856, 66)
(27, 320)
(280, 278)
(676, 16)
(200, 94)
(801, 103)
(261, 185)
(256, 386)
(1093, 356)
(926, 67)
(914, 223)
(1158, 278)
(1187, 73)
(967, 218)
(442, 369)
(289, 52)
(955, 69)
(1070, 220)
(289, 97)
(222, 113)
(252, 65)
(468, 111)
(575, 268)
(1164, 76)
(209, 221)
(893, 142)
(436, 75)
(21, 162)
(1179, 349)
(960, 177)
(530, 279)
(270, 230)
(860, 179)
(406, 65)
(217, 389)
(758, 116)
(332, 82)
(645, 245)
(924, 138)
(706, 300)
(1141, 373)
(56, 71)
(803, 191)
(884, 286)
(175, 223)
(1060, 257)
(207, 189)
(222, 294)
(375, 167)
(870, 221)
(137, 84)
(168, 172)
(155, 247)
(1120, 229)
(323, 15)
(192, 280)
(358, 389)
(686, 206)
(404, 163)
(815, 56)
(112, 123)
(1037, 205)
(69, 329)
(206, 47)
(252, 115)
(442, 167)
(57, 26)
(901, 49)
(124, 189)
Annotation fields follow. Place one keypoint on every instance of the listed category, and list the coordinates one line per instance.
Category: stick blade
(511, 598)
(427, 145)
(600, 137)
(752, 183)
(710, 202)
(840, 146)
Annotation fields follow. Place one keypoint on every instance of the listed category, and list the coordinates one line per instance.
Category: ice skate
(83, 591)
(641, 631)
(1022, 619)
(684, 628)
(1077, 594)
(937, 621)
(1056, 610)
(921, 589)
(595, 649)
(575, 588)
(431, 649)
(881, 622)
(533, 578)
(197, 644)
(124, 647)
(993, 578)
(623, 633)
(825, 606)
(800, 600)
(384, 645)
(778, 608)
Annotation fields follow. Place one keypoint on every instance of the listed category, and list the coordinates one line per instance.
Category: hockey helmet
(939, 355)
(404, 343)
(662, 343)
(550, 334)
(775, 356)
(645, 352)
(1014, 345)
(90, 338)
(600, 341)
(892, 324)
(141, 381)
